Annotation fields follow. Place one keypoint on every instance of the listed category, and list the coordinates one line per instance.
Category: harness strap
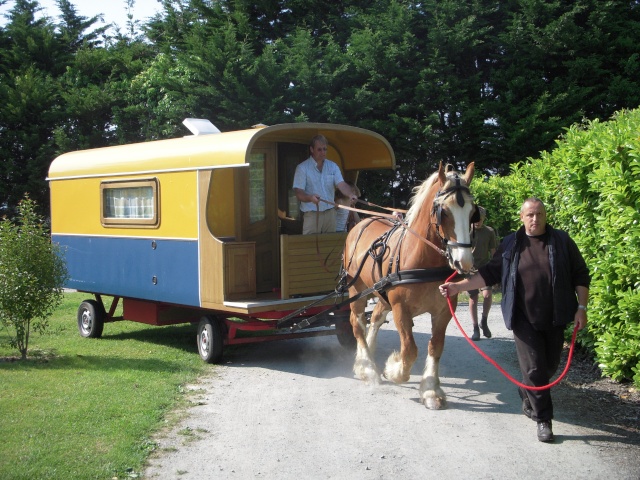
(284, 321)
(421, 275)
(423, 239)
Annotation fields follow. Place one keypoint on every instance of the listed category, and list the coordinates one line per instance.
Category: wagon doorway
(259, 217)
(289, 156)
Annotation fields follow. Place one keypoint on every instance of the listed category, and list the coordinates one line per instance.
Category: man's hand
(448, 289)
(580, 319)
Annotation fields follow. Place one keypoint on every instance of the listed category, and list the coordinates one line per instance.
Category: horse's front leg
(378, 316)
(364, 366)
(431, 394)
(399, 364)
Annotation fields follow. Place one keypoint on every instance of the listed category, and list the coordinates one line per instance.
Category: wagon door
(258, 215)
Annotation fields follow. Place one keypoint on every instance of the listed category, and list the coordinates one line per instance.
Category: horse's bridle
(458, 188)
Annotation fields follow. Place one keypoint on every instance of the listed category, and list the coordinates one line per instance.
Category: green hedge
(590, 184)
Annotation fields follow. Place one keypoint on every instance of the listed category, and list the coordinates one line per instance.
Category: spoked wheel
(344, 332)
(91, 316)
(210, 339)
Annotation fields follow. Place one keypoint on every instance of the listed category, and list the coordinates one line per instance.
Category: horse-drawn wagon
(203, 229)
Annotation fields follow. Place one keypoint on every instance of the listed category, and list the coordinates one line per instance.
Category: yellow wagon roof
(357, 149)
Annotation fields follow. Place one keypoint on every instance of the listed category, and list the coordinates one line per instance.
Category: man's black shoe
(545, 433)
(485, 328)
(476, 333)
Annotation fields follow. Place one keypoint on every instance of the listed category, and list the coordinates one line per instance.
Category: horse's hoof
(395, 376)
(374, 380)
(367, 373)
(370, 377)
(394, 370)
(433, 401)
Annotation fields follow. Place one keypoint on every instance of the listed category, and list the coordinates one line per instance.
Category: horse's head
(455, 211)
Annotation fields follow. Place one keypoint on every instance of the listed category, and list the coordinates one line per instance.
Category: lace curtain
(134, 202)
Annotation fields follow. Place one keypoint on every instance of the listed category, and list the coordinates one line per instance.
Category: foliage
(498, 195)
(590, 184)
(441, 80)
(599, 203)
(32, 273)
(60, 87)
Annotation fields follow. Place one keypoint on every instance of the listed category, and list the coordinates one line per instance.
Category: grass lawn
(82, 408)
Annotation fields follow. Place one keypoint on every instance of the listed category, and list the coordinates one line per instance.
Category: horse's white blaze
(462, 257)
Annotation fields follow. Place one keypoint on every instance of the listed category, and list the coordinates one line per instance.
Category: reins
(369, 204)
(397, 220)
(323, 262)
(423, 239)
(500, 369)
(369, 212)
(391, 217)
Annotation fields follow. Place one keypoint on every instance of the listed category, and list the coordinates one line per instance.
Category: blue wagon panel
(152, 269)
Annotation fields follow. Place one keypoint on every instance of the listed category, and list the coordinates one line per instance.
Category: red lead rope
(493, 362)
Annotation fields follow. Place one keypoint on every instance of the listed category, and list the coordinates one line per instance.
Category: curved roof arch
(356, 149)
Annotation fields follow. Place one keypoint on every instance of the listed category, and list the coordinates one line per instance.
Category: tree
(32, 274)
(557, 62)
(484, 81)
(74, 30)
(28, 115)
(60, 89)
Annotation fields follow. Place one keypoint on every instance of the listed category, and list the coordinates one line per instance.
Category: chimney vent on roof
(199, 126)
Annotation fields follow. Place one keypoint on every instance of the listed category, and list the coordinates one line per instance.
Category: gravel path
(293, 409)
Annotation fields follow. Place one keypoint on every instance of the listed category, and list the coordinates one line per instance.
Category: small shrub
(32, 274)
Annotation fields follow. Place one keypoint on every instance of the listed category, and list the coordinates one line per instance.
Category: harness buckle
(382, 284)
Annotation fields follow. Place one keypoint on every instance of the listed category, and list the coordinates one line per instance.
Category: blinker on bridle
(458, 189)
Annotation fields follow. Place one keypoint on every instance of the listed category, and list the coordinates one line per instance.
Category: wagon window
(130, 203)
(257, 192)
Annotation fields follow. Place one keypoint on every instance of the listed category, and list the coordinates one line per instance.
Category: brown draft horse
(442, 210)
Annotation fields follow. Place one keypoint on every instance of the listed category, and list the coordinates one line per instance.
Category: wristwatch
(582, 307)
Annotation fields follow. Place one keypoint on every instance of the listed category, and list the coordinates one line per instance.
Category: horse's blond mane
(421, 191)
(419, 194)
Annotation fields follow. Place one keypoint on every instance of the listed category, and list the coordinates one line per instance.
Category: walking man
(485, 243)
(545, 285)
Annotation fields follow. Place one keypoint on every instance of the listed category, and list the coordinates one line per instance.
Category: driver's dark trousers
(539, 353)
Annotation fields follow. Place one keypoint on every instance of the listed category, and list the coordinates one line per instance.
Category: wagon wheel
(210, 339)
(91, 316)
(344, 332)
